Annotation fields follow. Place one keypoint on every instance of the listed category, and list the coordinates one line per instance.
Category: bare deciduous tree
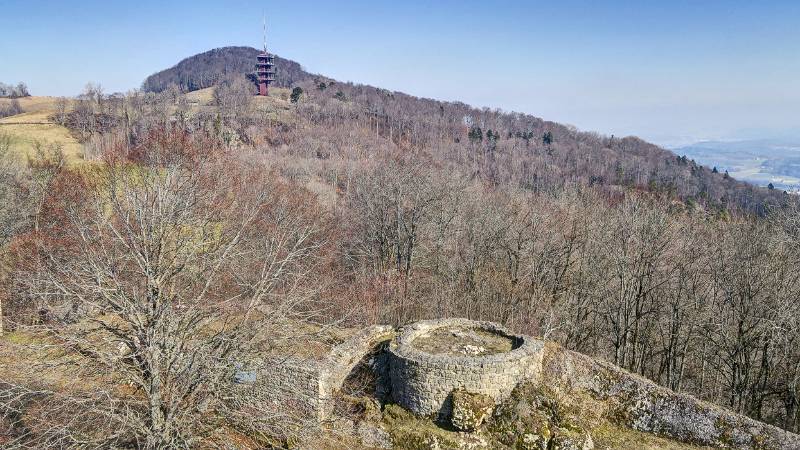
(167, 273)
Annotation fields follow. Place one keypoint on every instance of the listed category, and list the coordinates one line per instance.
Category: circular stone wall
(423, 382)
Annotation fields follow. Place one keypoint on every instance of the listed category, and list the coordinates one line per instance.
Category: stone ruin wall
(423, 382)
(416, 380)
(341, 361)
(309, 386)
(283, 384)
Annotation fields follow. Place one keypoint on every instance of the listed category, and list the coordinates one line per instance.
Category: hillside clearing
(35, 126)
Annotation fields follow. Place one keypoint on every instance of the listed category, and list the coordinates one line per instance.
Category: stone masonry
(423, 383)
(307, 385)
(342, 360)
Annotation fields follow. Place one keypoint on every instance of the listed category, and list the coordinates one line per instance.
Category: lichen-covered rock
(470, 410)
(571, 439)
(635, 403)
(520, 422)
(521, 425)
(534, 441)
(539, 418)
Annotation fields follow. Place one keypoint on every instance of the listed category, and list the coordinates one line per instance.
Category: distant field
(34, 125)
(205, 97)
(202, 97)
(760, 162)
(33, 104)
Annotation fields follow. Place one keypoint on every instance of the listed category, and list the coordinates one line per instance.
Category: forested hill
(493, 145)
(209, 68)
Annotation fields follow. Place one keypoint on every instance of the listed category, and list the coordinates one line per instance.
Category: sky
(673, 72)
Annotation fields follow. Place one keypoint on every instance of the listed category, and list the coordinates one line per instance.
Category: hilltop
(209, 68)
(574, 403)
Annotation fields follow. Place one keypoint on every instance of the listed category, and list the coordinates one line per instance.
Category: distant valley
(760, 162)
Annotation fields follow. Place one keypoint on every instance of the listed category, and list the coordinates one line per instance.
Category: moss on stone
(761, 442)
(533, 441)
(724, 429)
(536, 417)
(612, 436)
(408, 431)
(470, 410)
(573, 438)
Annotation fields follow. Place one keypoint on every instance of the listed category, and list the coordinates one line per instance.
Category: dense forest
(336, 203)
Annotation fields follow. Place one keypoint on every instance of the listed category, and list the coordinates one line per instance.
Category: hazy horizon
(673, 74)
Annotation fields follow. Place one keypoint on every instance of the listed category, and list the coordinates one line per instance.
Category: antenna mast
(265, 66)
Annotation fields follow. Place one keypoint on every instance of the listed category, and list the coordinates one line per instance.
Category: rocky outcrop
(635, 402)
(537, 418)
(470, 410)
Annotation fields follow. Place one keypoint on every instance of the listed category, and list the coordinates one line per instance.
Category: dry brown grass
(455, 341)
(34, 125)
(33, 104)
(275, 107)
(33, 359)
(202, 97)
(609, 436)
(205, 97)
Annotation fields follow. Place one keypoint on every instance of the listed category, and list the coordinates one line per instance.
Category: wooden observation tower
(265, 67)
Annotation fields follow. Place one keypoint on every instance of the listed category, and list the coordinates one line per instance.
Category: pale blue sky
(668, 71)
